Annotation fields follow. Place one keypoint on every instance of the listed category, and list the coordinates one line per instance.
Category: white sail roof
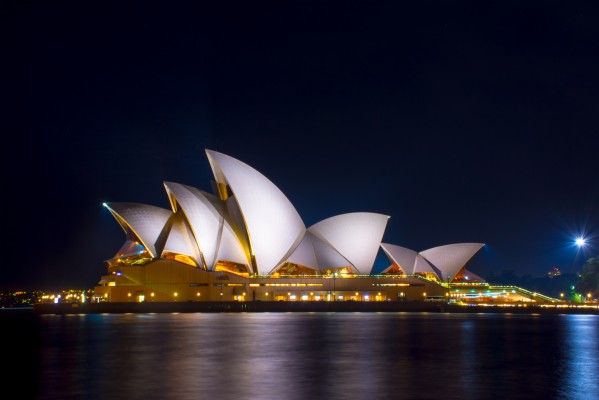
(207, 216)
(181, 240)
(327, 257)
(451, 258)
(203, 217)
(401, 256)
(304, 254)
(145, 221)
(229, 246)
(422, 265)
(272, 222)
(357, 236)
(254, 224)
(130, 248)
(237, 225)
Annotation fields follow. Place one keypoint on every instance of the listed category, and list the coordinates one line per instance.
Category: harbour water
(303, 356)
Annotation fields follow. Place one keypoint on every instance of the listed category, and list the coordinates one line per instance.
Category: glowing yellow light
(152, 294)
(266, 294)
(176, 294)
(198, 294)
(129, 294)
(424, 293)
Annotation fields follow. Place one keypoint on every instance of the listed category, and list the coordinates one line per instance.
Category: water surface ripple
(316, 356)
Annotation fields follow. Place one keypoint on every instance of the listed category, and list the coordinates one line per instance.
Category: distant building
(554, 272)
(246, 241)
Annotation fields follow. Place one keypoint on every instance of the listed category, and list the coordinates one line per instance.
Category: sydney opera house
(245, 241)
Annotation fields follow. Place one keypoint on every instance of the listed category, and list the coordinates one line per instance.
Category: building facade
(245, 241)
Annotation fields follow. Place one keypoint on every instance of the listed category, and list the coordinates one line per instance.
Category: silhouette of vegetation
(589, 278)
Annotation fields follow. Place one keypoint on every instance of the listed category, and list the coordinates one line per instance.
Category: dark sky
(464, 121)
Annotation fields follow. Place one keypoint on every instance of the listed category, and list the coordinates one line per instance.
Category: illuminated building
(554, 272)
(247, 242)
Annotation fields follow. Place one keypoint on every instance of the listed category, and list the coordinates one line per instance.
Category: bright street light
(580, 241)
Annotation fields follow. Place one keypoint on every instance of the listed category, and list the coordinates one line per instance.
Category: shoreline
(350, 306)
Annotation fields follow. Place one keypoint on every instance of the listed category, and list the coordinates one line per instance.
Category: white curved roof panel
(304, 254)
(272, 222)
(204, 218)
(422, 265)
(327, 257)
(130, 248)
(403, 257)
(235, 219)
(229, 246)
(357, 236)
(181, 241)
(451, 258)
(145, 221)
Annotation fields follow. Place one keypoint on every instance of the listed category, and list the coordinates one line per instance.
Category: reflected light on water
(581, 364)
(317, 356)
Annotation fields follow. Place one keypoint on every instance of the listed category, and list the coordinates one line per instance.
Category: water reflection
(580, 368)
(318, 356)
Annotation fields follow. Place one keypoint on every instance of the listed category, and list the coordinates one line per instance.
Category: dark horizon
(465, 122)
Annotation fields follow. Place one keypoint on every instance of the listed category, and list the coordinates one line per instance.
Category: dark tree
(589, 278)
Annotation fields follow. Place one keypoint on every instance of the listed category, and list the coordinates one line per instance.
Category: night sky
(464, 121)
